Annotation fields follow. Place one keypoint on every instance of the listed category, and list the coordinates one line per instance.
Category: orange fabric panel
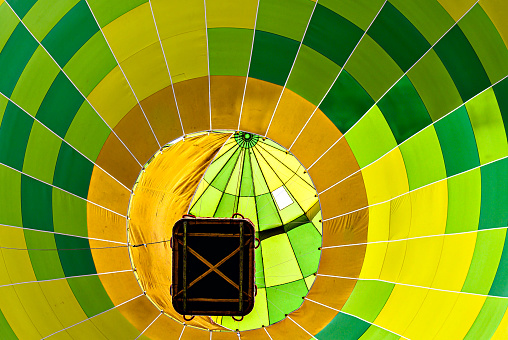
(164, 328)
(140, 312)
(192, 97)
(105, 225)
(345, 197)
(120, 287)
(107, 192)
(348, 229)
(226, 94)
(109, 259)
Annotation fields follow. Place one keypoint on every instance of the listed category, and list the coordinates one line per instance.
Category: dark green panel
(404, 110)
(457, 141)
(6, 330)
(60, 105)
(72, 171)
(226, 206)
(346, 102)
(247, 184)
(501, 91)
(272, 57)
(45, 263)
(36, 204)
(343, 327)
(462, 63)
(14, 56)
(14, 133)
(500, 285)
(90, 294)
(398, 37)
(282, 299)
(493, 212)
(75, 255)
(71, 32)
(332, 35)
(21, 7)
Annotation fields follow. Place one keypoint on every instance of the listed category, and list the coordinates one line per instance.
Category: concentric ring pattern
(397, 109)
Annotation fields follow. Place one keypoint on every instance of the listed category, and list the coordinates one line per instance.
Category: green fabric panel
(368, 299)
(457, 142)
(343, 326)
(75, 255)
(488, 319)
(260, 271)
(69, 214)
(229, 51)
(60, 105)
(306, 240)
(87, 132)
(359, 12)
(35, 81)
(90, 286)
(14, 133)
(14, 56)
(221, 180)
(247, 183)
(429, 17)
(376, 333)
(312, 75)
(404, 110)
(501, 92)
(398, 37)
(423, 159)
(494, 212)
(346, 102)
(500, 284)
(373, 68)
(485, 262)
(488, 126)
(107, 11)
(10, 197)
(5, 329)
(45, 263)
(41, 153)
(435, 86)
(272, 57)
(45, 14)
(268, 215)
(73, 171)
(464, 200)
(462, 63)
(226, 206)
(21, 7)
(71, 32)
(8, 22)
(487, 43)
(91, 63)
(332, 35)
(284, 299)
(36, 204)
(287, 18)
(3, 105)
(371, 138)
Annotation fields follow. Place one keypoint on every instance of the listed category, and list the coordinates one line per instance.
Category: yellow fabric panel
(386, 178)
(192, 96)
(105, 225)
(457, 8)
(393, 261)
(164, 328)
(303, 193)
(401, 307)
(316, 138)
(187, 55)
(86, 329)
(17, 317)
(374, 260)
(112, 97)
(421, 260)
(107, 192)
(338, 163)
(429, 210)
(17, 262)
(272, 248)
(496, 10)
(461, 318)
(379, 222)
(226, 93)
(123, 329)
(140, 312)
(292, 108)
(436, 307)
(345, 197)
(269, 174)
(502, 330)
(231, 13)
(178, 17)
(400, 217)
(455, 260)
(120, 287)
(131, 32)
(147, 71)
(285, 329)
(109, 259)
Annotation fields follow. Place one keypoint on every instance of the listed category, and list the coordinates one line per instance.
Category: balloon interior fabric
(118, 117)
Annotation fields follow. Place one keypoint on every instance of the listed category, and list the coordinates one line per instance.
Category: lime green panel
(464, 198)
(3, 105)
(221, 180)
(41, 153)
(268, 215)
(368, 299)
(107, 11)
(247, 207)
(371, 138)
(306, 240)
(423, 158)
(207, 203)
(69, 214)
(279, 261)
(86, 286)
(260, 272)
(8, 22)
(284, 299)
(488, 126)
(226, 206)
(90, 64)
(487, 43)
(359, 12)
(45, 14)
(219, 163)
(247, 184)
(229, 51)
(10, 197)
(287, 18)
(5, 329)
(260, 186)
(484, 265)
(376, 333)
(45, 263)
(488, 319)
(234, 182)
(312, 75)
